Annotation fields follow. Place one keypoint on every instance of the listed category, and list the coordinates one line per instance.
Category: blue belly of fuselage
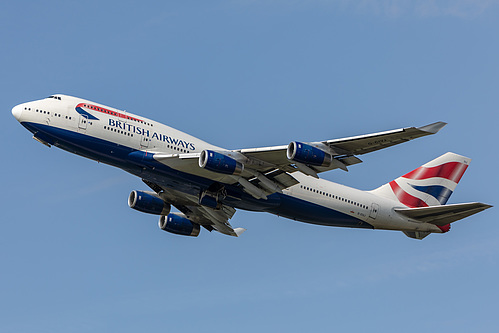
(141, 164)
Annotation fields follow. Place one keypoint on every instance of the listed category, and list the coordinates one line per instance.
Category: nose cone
(17, 112)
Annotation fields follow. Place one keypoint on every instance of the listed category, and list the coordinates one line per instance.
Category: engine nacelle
(178, 224)
(148, 202)
(218, 162)
(307, 154)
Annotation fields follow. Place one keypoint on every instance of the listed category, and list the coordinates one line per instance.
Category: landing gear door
(374, 211)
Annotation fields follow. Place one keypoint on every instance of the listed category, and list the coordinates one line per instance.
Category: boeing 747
(206, 183)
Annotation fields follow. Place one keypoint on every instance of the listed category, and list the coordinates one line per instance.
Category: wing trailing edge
(342, 150)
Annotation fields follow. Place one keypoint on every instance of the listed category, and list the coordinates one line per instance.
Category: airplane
(206, 183)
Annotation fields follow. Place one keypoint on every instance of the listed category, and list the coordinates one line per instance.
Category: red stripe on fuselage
(452, 171)
(107, 111)
(405, 198)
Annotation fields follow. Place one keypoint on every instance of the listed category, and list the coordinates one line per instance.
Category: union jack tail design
(429, 185)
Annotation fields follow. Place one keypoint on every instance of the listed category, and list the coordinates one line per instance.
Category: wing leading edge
(342, 150)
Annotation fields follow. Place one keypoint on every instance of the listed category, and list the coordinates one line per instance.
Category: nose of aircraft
(17, 111)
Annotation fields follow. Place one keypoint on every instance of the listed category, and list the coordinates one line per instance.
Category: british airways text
(150, 134)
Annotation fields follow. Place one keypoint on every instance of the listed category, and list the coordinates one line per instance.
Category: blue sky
(242, 74)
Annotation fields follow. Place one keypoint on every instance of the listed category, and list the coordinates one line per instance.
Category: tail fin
(429, 185)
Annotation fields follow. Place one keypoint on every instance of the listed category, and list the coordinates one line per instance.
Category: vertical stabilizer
(429, 185)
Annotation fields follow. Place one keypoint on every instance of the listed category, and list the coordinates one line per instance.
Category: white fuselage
(101, 133)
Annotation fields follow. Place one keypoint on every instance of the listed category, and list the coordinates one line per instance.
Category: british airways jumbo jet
(208, 183)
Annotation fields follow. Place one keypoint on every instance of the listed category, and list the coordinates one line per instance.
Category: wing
(342, 150)
(209, 218)
(268, 170)
(259, 178)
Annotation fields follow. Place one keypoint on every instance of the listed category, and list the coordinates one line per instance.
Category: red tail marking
(452, 171)
(406, 198)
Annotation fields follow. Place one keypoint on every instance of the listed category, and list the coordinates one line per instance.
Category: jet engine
(307, 154)
(221, 163)
(177, 223)
(148, 202)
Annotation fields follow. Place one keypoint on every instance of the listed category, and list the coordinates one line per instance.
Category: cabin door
(374, 211)
(83, 122)
(144, 141)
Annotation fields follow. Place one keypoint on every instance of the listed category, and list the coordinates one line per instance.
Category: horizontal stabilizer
(443, 215)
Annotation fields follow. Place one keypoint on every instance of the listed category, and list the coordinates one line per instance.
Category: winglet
(433, 128)
(239, 231)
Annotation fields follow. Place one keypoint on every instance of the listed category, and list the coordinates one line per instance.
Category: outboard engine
(148, 202)
(178, 224)
(307, 154)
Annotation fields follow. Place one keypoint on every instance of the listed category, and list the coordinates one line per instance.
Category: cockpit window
(56, 97)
